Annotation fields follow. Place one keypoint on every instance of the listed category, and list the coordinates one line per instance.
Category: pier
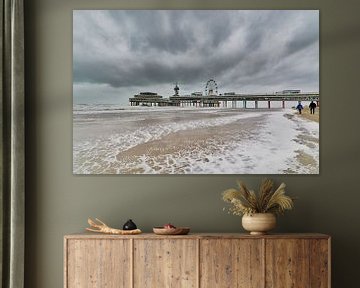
(229, 101)
(236, 100)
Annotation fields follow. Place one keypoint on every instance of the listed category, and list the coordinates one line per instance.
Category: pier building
(176, 89)
(148, 99)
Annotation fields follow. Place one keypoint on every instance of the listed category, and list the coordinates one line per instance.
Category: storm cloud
(118, 53)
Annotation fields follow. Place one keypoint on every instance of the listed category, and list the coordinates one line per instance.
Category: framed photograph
(196, 92)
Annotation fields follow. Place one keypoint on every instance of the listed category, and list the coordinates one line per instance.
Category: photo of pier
(196, 92)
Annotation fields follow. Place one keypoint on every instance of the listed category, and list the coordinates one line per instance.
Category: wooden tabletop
(89, 235)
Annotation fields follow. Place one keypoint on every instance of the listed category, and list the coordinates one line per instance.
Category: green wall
(59, 203)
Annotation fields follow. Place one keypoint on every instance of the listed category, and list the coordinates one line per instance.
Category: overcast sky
(119, 53)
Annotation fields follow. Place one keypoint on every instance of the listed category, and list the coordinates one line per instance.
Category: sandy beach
(314, 117)
(194, 141)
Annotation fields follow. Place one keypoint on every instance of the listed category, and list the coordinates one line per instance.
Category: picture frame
(145, 100)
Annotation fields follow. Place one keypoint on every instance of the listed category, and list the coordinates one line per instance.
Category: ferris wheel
(211, 87)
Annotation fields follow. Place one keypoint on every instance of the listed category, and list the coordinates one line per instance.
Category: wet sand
(308, 140)
(184, 145)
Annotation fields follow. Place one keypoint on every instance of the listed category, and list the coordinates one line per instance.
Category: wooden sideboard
(197, 260)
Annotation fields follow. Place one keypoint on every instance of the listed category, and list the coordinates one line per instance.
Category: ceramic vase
(259, 223)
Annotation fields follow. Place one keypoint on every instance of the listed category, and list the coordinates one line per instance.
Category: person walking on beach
(299, 107)
(312, 107)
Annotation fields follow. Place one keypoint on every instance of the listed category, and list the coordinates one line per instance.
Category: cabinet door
(165, 263)
(231, 263)
(320, 263)
(98, 263)
(287, 263)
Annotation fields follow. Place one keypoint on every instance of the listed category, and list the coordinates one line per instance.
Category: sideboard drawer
(165, 263)
(297, 263)
(231, 263)
(98, 263)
